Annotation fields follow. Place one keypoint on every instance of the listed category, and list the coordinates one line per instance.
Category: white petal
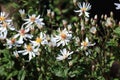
(25, 53)
(20, 40)
(77, 10)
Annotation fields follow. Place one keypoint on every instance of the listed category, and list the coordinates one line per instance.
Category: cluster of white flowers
(32, 43)
(23, 35)
(5, 24)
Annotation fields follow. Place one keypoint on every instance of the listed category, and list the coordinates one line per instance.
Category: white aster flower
(34, 20)
(12, 42)
(63, 37)
(4, 29)
(40, 40)
(118, 5)
(93, 30)
(6, 25)
(83, 9)
(30, 50)
(86, 44)
(23, 35)
(3, 17)
(64, 54)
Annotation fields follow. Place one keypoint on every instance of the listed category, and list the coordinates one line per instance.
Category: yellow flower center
(29, 47)
(38, 40)
(2, 18)
(32, 19)
(63, 36)
(83, 9)
(85, 43)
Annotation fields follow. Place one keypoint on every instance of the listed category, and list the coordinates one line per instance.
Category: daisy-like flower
(63, 37)
(33, 20)
(30, 50)
(83, 9)
(12, 42)
(3, 17)
(64, 54)
(23, 35)
(4, 29)
(6, 25)
(40, 40)
(93, 30)
(118, 5)
(86, 44)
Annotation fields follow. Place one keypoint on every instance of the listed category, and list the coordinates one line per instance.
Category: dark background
(100, 7)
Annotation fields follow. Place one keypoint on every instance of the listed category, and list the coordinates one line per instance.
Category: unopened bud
(64, 23)
(102, 16)
(52, 14)
(95, 17)
(93, 67)
(48, 12)
(105, 17)
(111, 14)
(70, 63)
(75, 2)
(69, 27)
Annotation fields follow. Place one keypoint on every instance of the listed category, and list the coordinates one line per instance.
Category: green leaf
(112, 42)
(21, 74)
(117, 31)
(14, 73)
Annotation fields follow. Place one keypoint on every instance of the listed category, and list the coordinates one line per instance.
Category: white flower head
(23, 35)
(64, 54)
(5, 26)
(84, 7)
(86, 44)
(40, 40)
(30, 50)
(118, 5)
(33, 19)
(12, 42)
(3, 17)
(64, 37)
